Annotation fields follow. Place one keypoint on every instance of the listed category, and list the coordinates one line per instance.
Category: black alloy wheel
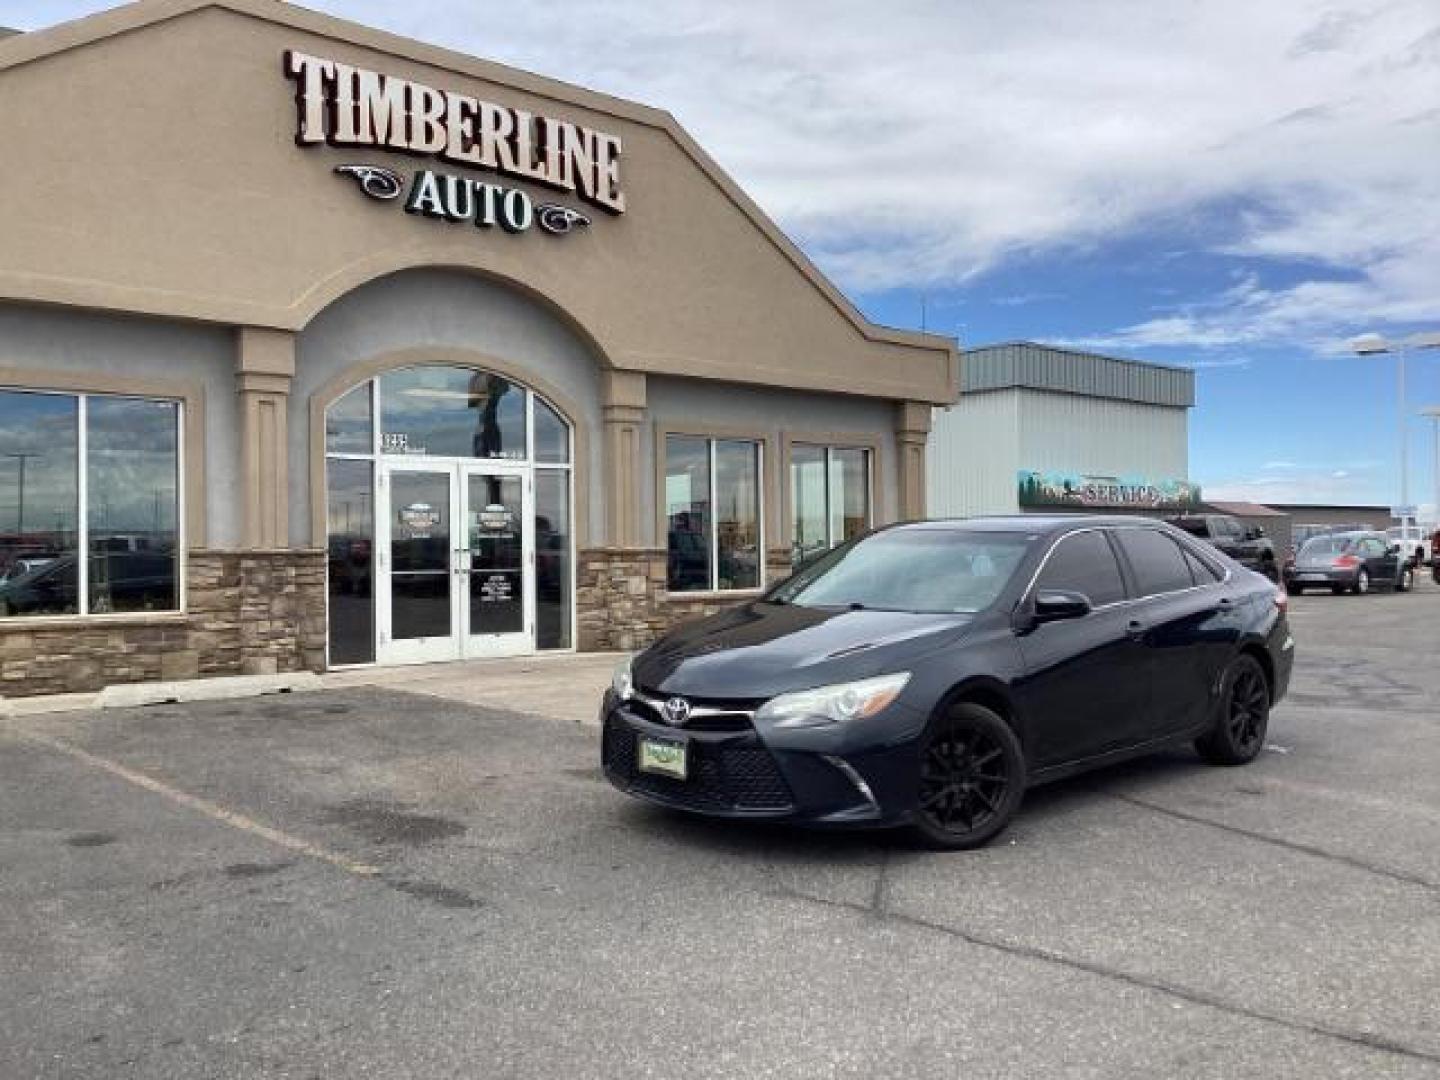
(1242, 715)
(1362, 582)
(972, 778)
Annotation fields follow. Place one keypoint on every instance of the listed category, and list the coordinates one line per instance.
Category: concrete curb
(128, 695)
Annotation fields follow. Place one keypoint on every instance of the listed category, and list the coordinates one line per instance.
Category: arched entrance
(449, 494)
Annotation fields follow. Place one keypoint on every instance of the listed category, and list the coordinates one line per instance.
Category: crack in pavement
(1280, 842)
(1366, 1039)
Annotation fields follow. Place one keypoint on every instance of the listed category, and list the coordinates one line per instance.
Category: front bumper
(742, 774)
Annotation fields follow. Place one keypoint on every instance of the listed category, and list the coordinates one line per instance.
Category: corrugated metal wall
(972, 456)
(1043, 367)
(1068, 433)
(979, 444)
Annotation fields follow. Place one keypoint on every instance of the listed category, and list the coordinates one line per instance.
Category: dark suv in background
(1246, 544)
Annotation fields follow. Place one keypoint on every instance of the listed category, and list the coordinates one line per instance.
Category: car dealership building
(323, 347)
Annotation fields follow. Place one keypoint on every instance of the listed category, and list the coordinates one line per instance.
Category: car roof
(1031, 523)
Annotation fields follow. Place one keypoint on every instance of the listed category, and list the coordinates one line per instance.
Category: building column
(264, 369)
(624, 411)
(912, 428)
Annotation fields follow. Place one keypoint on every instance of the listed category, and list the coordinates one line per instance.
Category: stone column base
(622, 603)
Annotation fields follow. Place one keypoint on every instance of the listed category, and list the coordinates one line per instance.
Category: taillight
(1348, 561)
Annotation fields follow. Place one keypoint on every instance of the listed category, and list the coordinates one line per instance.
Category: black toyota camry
(925, 674)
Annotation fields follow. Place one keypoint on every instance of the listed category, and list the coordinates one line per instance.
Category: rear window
(1327, 545)
(1157, 561)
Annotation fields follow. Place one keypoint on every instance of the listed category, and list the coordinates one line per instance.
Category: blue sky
(1233, 186)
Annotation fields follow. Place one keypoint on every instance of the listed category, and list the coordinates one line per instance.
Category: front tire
(1242, 715)
(971, 779)
(1405, 580)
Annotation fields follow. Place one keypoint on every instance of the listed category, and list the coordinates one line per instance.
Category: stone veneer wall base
(247, 613)
(622, 604)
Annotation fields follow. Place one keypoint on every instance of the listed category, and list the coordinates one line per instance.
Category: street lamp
(1433, 411)
(1374, 345)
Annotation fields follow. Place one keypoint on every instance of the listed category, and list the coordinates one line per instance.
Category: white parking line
(200, 806)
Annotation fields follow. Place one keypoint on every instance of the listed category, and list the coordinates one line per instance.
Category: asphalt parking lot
(365, 882)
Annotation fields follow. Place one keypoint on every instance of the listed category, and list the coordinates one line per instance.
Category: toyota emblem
(677, 711)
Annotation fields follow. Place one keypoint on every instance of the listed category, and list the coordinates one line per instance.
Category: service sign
(1055, 489)
(341, 105)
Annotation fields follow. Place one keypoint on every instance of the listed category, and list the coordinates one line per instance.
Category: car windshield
(919, 570)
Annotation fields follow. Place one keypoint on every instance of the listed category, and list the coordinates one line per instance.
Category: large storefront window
(94, 474)
(829, 497)
(712, 514)
(428, 469)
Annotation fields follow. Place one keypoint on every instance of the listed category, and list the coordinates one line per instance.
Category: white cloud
(925, 143)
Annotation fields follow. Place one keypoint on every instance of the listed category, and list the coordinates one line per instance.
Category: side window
(1200, 570)
(1157, 561)
(1084, 563)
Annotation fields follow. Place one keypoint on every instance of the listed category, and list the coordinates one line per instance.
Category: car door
(1187, 629)
(1085, 681)
(1383, 567)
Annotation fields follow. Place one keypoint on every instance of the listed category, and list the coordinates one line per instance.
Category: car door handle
(1135, 629)
(1226, 604)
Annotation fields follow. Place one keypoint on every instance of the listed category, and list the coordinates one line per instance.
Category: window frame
(82, 511)
(1120, 567)
(827, 446)
(711, 437)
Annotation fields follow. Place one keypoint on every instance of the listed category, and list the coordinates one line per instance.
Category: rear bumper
(1319, 578)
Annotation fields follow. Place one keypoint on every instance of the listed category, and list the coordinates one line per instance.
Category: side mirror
(1056, 605)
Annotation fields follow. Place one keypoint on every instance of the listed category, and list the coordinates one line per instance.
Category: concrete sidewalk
(561, 686)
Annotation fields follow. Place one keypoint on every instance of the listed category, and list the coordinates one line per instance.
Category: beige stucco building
(319, 346)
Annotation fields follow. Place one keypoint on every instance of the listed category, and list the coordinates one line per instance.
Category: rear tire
(971, 779)
(1242, 715)
(1362, 583)
(1405, 580)
(1295, 590)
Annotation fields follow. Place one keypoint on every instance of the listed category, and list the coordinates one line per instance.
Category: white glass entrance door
(455, 576)
(498, 590)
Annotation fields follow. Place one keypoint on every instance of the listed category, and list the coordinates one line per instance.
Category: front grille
(710, 714)
(721, 777)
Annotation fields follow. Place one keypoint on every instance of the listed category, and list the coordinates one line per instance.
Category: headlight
(833, 704)
(622, 682)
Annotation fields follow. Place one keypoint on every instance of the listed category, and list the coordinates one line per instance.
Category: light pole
(1374, 345)
(1433, 411)
(20, 523)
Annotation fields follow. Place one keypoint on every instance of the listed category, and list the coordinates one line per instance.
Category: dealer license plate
(663, 757)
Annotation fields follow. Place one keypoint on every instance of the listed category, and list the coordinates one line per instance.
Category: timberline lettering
(342, 105)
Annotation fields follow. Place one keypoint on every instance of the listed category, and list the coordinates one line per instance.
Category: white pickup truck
(1414, 541)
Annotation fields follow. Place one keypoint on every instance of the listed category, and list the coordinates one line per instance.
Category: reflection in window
(552, 558)
(347, 423)
(687, 513)
(351, 560)
(39, 503)
(737, 514)
(552, 435)
(451, 412)
(132, 504)
(829, 497)
(712, 513)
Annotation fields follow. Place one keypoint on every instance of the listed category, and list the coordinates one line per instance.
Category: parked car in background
(1413, 541)
(1246, 544)
(1354, 562)
(926, 674)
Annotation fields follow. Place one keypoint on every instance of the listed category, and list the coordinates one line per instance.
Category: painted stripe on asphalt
(201, 806)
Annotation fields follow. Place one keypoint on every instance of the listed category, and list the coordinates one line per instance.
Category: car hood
(760, 650)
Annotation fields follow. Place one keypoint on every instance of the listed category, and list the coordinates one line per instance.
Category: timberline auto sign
(345, 106)
(1116, 493)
